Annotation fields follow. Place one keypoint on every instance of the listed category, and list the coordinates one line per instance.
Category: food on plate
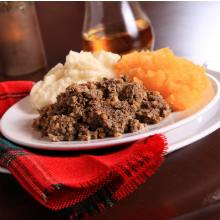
(181, 82)
(99, 109)
(78, 68)
(102, 95)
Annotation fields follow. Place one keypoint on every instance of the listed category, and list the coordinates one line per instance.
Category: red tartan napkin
(78, 183)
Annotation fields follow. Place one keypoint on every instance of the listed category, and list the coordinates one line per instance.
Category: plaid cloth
(78, 183)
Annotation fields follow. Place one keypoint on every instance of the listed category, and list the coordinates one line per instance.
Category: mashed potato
(79, 68)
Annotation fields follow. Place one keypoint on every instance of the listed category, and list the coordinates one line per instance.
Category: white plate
(16, 125)
(196, 129)
(190, 132)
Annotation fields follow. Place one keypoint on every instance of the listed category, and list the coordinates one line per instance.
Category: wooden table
(187, 184)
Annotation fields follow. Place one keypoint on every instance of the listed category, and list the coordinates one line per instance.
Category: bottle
(21, 46)
(119, 27)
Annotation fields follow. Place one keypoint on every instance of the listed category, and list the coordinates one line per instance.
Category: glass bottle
(120, 27)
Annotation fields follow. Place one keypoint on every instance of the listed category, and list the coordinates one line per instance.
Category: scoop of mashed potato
(78, 68)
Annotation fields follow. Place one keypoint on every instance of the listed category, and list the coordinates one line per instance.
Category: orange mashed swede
(181, 82)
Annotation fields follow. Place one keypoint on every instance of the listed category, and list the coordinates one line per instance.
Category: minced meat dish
(99, 109)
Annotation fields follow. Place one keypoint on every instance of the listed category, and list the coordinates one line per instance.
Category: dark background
(190, 29)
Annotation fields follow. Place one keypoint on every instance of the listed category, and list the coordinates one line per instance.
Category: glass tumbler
(21, 45)
(119, 27)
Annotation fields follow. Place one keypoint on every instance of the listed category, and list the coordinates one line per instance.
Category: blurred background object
(21, 46)
(189, 29)
(120, 27)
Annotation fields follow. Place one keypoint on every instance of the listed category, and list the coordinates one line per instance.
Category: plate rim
(84, 145)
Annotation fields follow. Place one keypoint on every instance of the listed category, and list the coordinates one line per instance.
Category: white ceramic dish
(16, 125)
(192, 131)
(188, 133)
(196, 129)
